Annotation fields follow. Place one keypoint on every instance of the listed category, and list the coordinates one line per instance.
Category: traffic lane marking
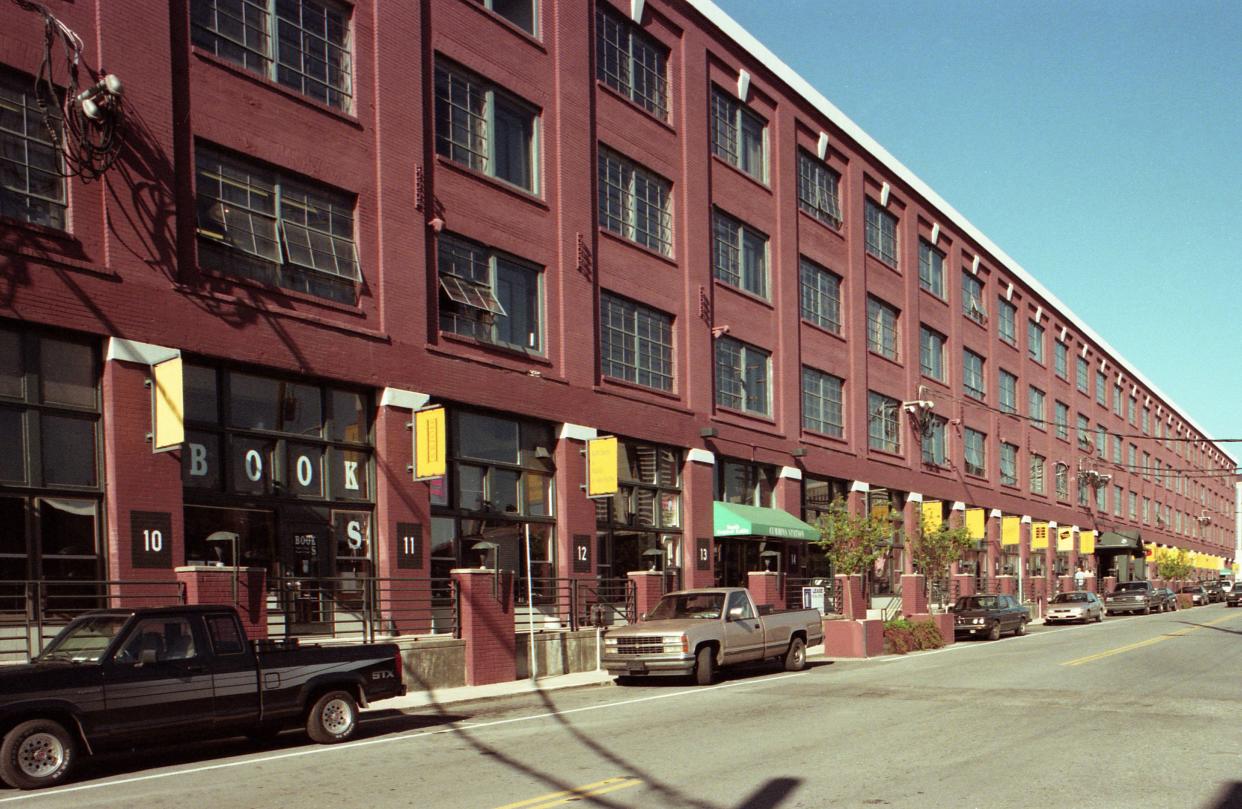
(403, 737)
(576, 793)
(1149, 642)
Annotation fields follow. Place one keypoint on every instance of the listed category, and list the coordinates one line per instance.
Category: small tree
(853, 543)
(1174, 566)
(938, 548)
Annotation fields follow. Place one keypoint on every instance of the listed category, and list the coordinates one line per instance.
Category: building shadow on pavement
(1230, 797)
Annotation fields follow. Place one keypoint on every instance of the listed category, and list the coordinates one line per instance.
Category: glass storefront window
(68, 373)
(12, 446)
(748, 484)
(648, 499)
(12, 380)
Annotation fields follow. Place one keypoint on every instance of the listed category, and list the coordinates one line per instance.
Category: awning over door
(1130, 541)
(735, 520)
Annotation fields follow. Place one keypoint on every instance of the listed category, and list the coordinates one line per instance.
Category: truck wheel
(994, 632)
(795, 658)
(1021, 630)
(333, 718)
(705, 666)
(1147, 609)
(37, 753)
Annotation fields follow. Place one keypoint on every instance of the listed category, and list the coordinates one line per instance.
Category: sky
(1097, 142)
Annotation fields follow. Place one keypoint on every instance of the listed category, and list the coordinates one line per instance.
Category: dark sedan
(1215, 592)
(1234, 598)
(989, 616)
(1164, 600)
(1198, 596)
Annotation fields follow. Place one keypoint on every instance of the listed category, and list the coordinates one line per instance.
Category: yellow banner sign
(1011, 531)
(430, 456)
(976, 523)
(1039, 536)
(1086, 541)
(602, 466)
(1065, 540)
(933, 515)
(168, 405)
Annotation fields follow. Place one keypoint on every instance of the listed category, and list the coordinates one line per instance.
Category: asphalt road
(1136, 712)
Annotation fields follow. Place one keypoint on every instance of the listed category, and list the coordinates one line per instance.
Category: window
(1146, 464)
(488, 295)
(636, 343)
(519, 12)
(882, 337)
(1132, 457)
(1084, 381)
(259, 224)
(1061, 359)
(931, 269)
(1101, 441)
(739, 255)
(32, 185)
(972, 375)
(972, 298)
(1133, 511)
(1145, 420)
(309, 50)
(1116, 449)
(1101, 499)
(931, 353)
(484, 128)
(749, 484)
(1038, 462)
(634, 203)
(1062, 480)
(643, 512)
(1118, 498)
(1117, 400)
(1035, 341)
(1035, 407)
(819, 190)
(933, 438)
(1083, 496)
(1131, 406)
(1008, 392)
(821, 403)
(821, 296)
(883, 423)
(975, 451)
(1062, 420)
(739, 137)
(1084, 432)
(1007, 325)
(1101, 388)
(1009, 464)
(742, 376)
(881, 234)
(630, 62)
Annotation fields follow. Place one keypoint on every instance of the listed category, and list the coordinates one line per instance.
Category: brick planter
(847, 638)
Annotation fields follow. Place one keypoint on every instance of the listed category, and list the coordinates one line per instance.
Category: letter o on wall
(254, 465)
(306, 471)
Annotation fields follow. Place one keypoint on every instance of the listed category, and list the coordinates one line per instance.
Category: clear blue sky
(1097, 142)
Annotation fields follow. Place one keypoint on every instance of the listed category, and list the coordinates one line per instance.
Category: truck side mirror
(148, 657)
(736, 613)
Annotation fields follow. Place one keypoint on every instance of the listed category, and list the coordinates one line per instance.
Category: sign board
(702, 554)
(933, 515)
(815, 598)
(602, 466)
(409, 537)
(167, 405)
(976, 523)
(1065, 540)
(430, 450)
(1086, 542)
(151, 539)
(1039, 536)
(1011, 531)
(582, 553)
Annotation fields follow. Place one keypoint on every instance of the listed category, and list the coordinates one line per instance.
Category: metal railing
(33, 611)
(362, 608)
(574, 603)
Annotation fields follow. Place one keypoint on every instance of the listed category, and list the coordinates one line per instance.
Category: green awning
(735, 520)
(1120, 540)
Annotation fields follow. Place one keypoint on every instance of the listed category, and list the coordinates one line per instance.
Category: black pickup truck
(141, 676)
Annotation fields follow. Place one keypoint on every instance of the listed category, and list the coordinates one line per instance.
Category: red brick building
(559, 220)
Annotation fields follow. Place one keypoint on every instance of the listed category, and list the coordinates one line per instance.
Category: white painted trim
(763, 56)
(142, 353)
(1103, 365)
(1084, 350)
(914, 497)
(701, 456)
(636, 10)
(577, 432)
(958, 505)
(1074, 528)
(935, 234)
(743, 84)
(1064, 331)
(821, 148)
(791, 473)
(1026, 519)
(885, 191)
(860, 486)
(1052, 525)
(1120, 378)
(1009, 292)
(974, 266)
(995, 514)
(1039, 312)
(408, 399)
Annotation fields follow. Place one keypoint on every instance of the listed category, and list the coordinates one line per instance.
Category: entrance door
(305, 572)
(735, 558)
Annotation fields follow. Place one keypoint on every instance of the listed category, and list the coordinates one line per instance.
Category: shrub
(928, 635)
(901, 636)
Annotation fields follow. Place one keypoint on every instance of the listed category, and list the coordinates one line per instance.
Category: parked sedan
(989, 616)
(1165, 600)
(1234, 598)
(1078, 605)
(1198, 596)
(1215, 592)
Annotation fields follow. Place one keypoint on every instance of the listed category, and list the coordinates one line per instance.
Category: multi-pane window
(630, 62)
(742, 376)
(1145, 420)
(1084, 432)
(1083, 496)
(931, 353)
(821, 296)
(1117, 397)
(1101, 441)
(739, 137)
(882, 336)
(819, 190)
(1035, 341)
(739, 254)
(821, 403)
(1062, 420)
(309, 50)
(1101, 499)
(1008, 392)
(1038, 464)
(1133, 510)
(635, 527)
(934, 449)
(972, 298)
(974, 449)
(1132, 457)
(1116, 449)
(1101, 388)
(1035, 407)
(931, 269)
(636, 343)
(1084, 378)
(883, 422)
(881, 234)
(488, 295)
(1009, 464)
(1007, 324)
(1062, 481)
(1060, 359)
(519, 12)
(32, 185)
(257, 223)
(484, 128)
(1131, 408)
(634, 203)
(972, 375)
(1118, 498)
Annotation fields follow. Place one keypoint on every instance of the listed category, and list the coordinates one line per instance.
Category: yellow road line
(555, 798)
(1139, 645)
